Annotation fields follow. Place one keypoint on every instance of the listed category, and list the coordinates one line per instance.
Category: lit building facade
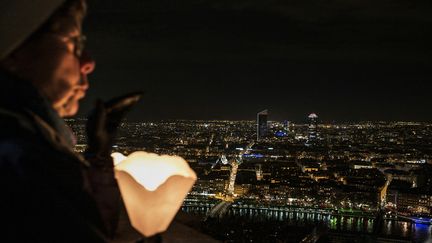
(262, 127)
(312, 129)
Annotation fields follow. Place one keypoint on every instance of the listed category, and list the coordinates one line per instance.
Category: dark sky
(346, 60)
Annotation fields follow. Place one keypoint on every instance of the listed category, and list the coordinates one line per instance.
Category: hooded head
(42, 42)
(20, 18)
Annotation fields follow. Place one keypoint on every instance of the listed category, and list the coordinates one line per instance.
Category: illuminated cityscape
(287, 76)
(302, 181)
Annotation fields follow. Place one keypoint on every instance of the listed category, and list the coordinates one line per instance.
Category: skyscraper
(262, 124)
(286, 125)
(312, 129)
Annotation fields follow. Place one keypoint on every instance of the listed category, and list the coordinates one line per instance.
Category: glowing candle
(153, 188)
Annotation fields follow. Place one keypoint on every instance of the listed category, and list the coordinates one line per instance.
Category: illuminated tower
(286, 125)
(262, 124)
(258, 172)
(312, 129)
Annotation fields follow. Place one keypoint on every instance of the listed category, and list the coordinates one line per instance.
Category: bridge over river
(336, 221)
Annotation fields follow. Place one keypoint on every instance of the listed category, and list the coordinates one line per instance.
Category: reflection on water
(337, 223)
(416, 232)
(422, 233)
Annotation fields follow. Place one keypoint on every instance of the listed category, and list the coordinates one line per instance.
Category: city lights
(318, 171)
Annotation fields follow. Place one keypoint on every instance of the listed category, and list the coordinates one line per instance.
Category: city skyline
(354, 61)
(300, 119)
(364, 180)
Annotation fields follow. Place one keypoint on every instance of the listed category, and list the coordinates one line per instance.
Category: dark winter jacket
(49, 193)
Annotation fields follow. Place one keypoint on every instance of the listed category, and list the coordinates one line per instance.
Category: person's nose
(87, 66)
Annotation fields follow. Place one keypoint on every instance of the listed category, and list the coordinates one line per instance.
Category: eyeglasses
(79, 44)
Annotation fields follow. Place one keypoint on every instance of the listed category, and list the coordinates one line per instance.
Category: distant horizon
(253, 120)
(344, 60)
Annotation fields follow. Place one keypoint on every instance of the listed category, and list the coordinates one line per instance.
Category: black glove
(103, 121)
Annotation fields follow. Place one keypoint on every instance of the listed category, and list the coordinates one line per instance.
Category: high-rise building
(286, 126)
(312, 129)
(262, 127)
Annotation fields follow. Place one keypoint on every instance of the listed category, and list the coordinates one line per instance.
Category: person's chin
(69, 109)
(71, 106)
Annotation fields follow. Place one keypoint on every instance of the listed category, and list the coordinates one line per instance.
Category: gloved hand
(103, 121)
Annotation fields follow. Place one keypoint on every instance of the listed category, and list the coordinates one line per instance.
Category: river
(335, 223)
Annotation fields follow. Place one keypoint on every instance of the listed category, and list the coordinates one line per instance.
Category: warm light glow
(118, 157)
(151, 170)
(153, 188)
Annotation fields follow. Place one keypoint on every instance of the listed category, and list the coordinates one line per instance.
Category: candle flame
(152, 170)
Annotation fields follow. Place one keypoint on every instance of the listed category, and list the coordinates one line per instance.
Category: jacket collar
(21, 96)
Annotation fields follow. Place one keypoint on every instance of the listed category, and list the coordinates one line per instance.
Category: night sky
(346, 60)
